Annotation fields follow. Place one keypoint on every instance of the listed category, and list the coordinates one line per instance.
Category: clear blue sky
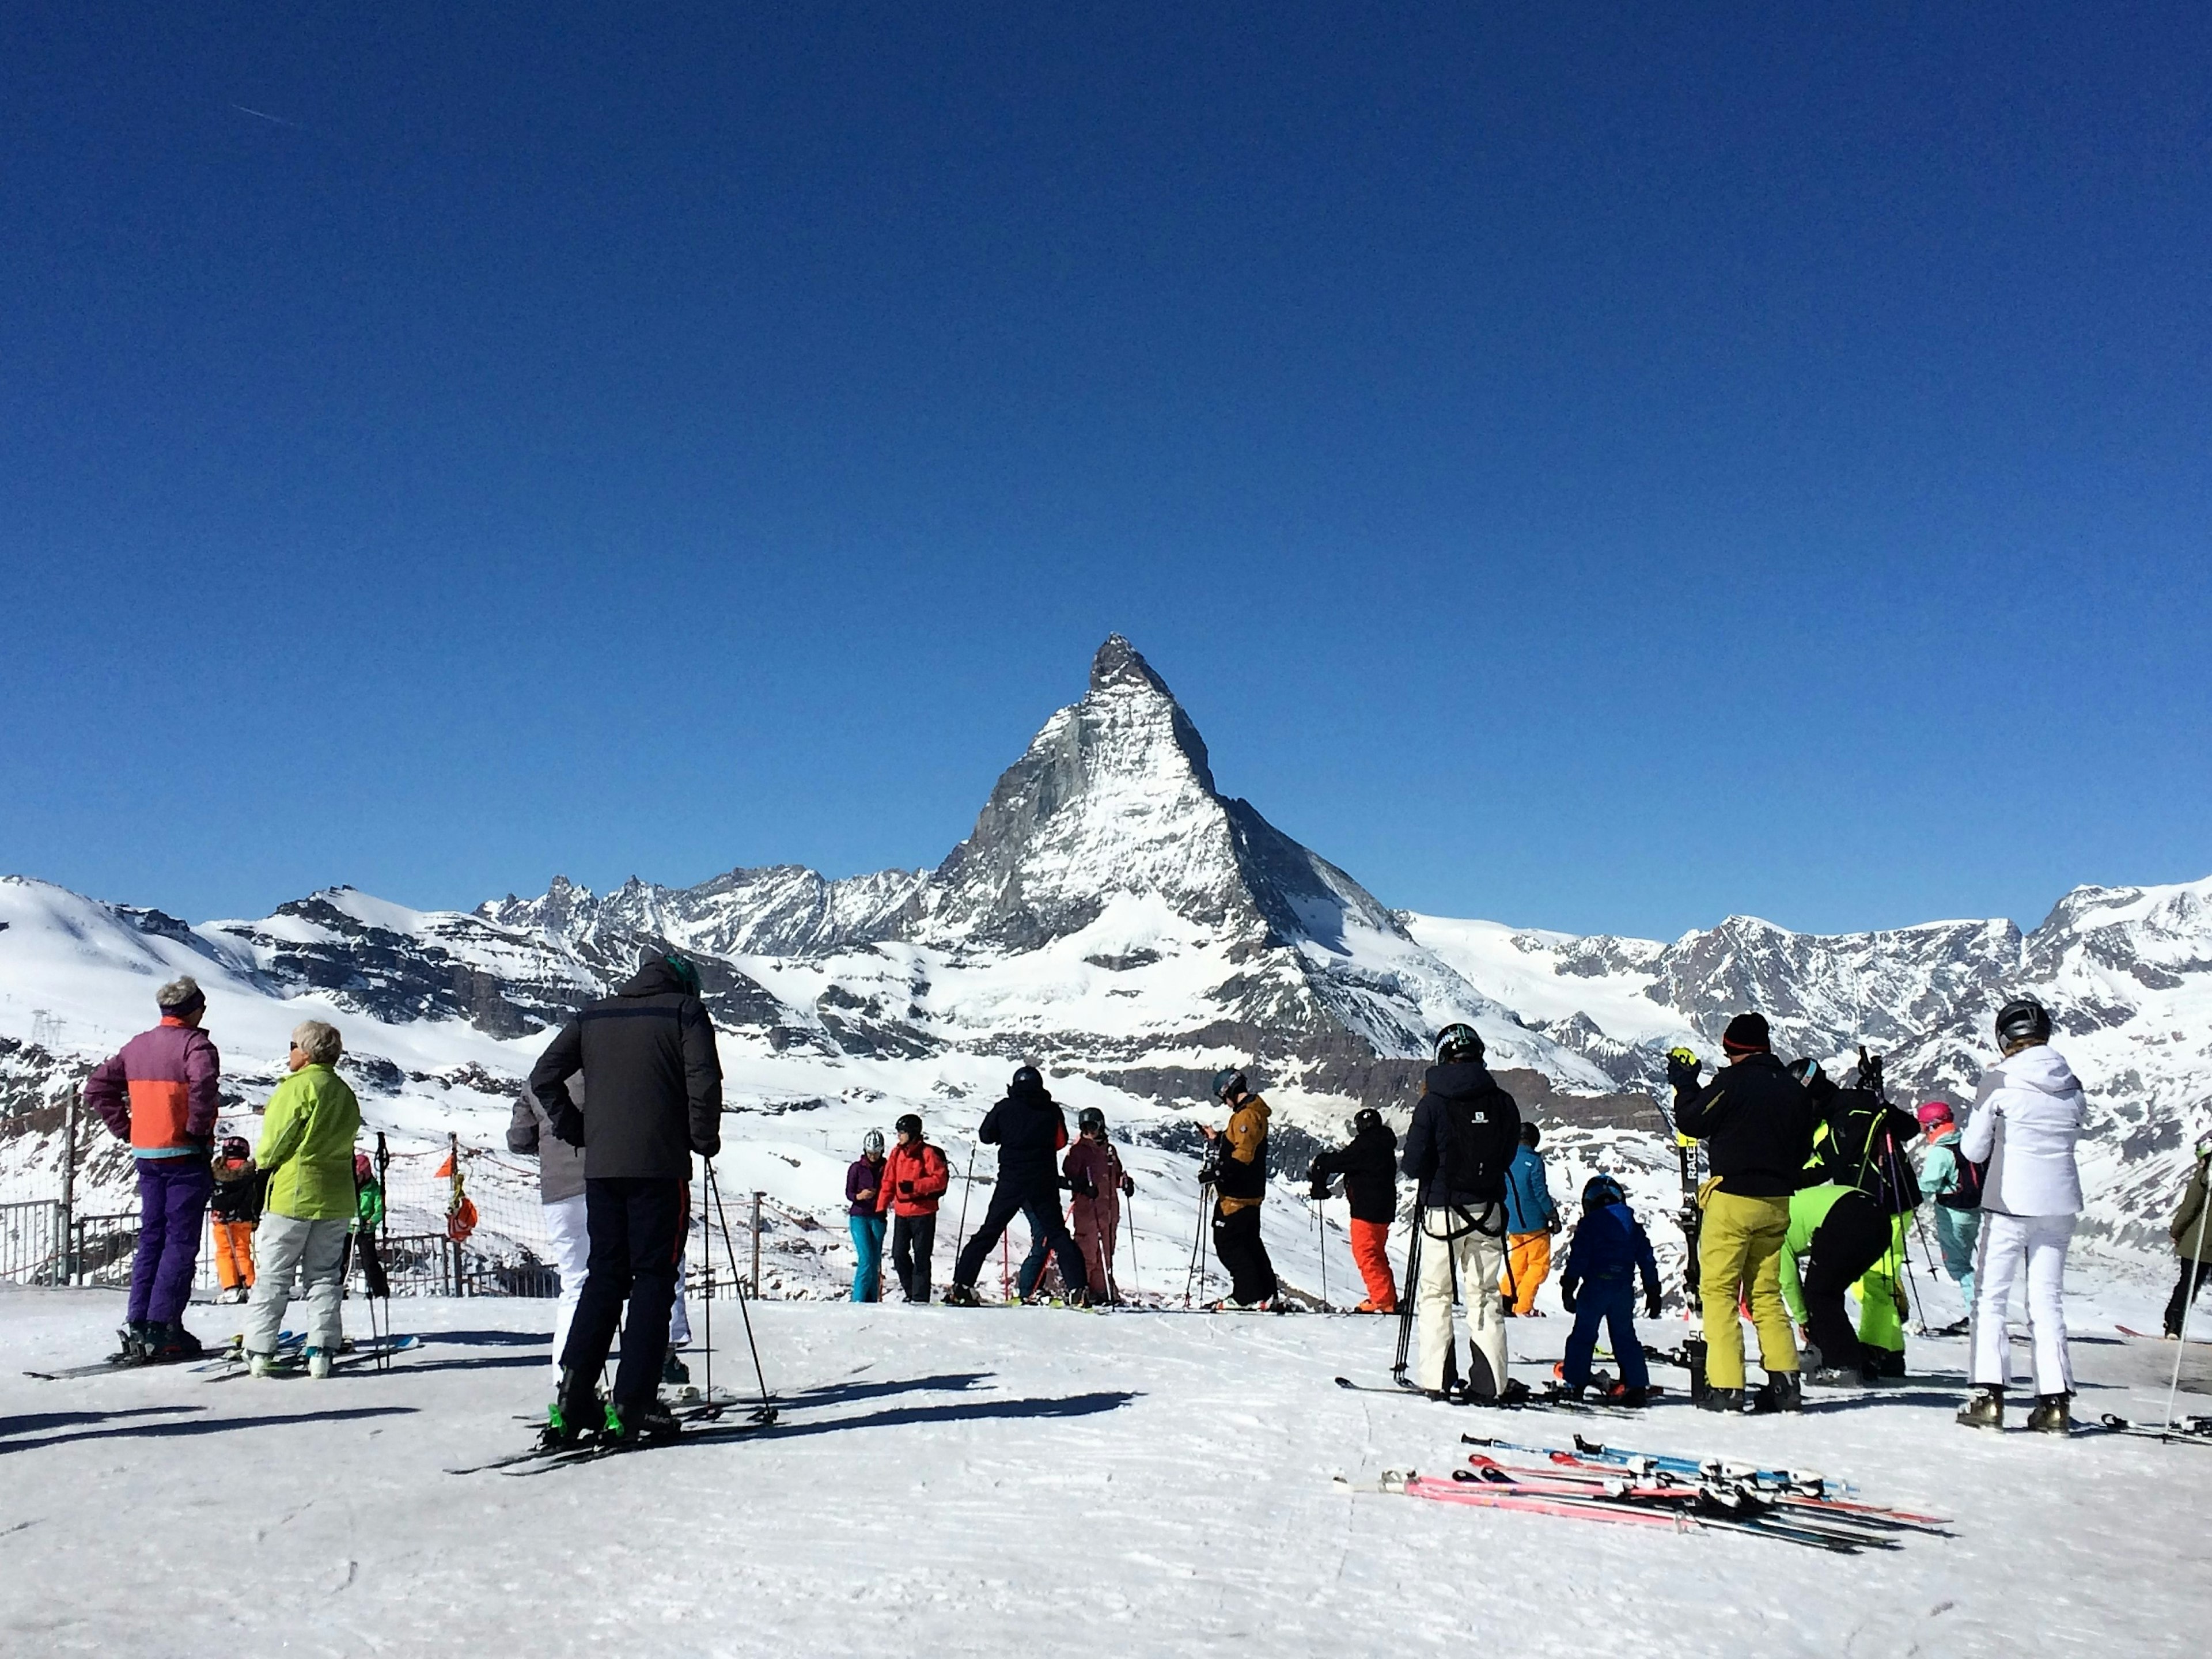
(1596, 469)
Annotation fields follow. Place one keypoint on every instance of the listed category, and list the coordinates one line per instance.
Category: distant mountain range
(1117, 920)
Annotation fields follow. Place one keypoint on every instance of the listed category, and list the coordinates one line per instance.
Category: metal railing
(30, 1242)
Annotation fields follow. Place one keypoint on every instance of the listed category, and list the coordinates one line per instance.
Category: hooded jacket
(1528, 1206)
(921, 1166)
(2191, 1231)
(1369, 1164)
(1757, 1122)
(653, 1082)
(1240, 1180)
(530, 1132)
(1029, 1129)
(1496, 1135)
(1611, 1249)
(2026, 1118)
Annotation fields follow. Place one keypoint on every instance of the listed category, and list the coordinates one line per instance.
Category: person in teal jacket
(307, 1154)
(1943, 1174)
(1836, 1233)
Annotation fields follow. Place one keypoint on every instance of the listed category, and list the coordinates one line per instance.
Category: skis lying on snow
(2187, 1429)
(1810, 1482)
(2155, 1336)
(539, 1458)
(1678, 1505)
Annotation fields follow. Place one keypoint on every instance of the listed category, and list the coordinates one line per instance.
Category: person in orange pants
(1369, 1164)
(1531, 1218)
(231, 1212)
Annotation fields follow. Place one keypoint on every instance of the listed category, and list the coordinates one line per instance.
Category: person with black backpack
(1465, 1132)
(1030, 1130)
(1860, 1143)
(1956, 1188)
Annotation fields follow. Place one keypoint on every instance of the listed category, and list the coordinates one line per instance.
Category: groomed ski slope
(1023, 1481)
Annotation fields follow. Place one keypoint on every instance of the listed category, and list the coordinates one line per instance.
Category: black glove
(1651, 1304)
(708, 1148)
(1320, 1192)
(1681, 1068)
(1083, 1187)
(1566, 1297)
(569, 1123)
(1128, 1187)
(1067, 1185)
(906, 1189)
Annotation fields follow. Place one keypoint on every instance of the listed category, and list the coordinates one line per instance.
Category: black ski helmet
(1457, 1043)
(1229, 1081)
(1028, 1081)
(234, 1150)
(909, 1124)
(1805, 1070)
(2023, 1020)
(1364, 1119)
(1088, 1119)
(1600, 1190)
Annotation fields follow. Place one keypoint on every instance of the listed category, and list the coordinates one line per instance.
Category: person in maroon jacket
(159, 1094)
(914, 1178)
(1095, 1176)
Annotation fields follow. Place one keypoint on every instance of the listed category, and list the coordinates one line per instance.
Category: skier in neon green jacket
(306, 1152)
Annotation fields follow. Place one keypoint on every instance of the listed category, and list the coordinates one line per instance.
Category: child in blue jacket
(1599, 1287)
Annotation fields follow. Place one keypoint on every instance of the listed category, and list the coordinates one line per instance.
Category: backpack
(1967, 1194)
(1480, 1141)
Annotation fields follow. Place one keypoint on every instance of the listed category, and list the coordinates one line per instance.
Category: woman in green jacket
(307, 1155)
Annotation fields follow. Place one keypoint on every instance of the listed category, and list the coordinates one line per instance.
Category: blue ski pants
(868, 1257)
(1614, 1306)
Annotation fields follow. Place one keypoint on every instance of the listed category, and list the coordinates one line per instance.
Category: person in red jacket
(1095, 1176)
(160, 1095)
(915, 1176)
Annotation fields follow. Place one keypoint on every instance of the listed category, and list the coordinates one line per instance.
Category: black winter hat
(1746, 1034)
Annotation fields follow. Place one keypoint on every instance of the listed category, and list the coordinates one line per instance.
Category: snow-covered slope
(1115, 919)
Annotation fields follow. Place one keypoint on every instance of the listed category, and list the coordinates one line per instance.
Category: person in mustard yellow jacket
(307, 1155)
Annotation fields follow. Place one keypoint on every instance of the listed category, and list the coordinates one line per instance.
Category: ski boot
(632, 1426)
(260, 1364)
(674, 1373)
(1633, 1399)
(1885, 1363)
(575, 1412)
(1984, 1411)
(169, 1343)
(318, 1363)
(1781, 1392)
(1833, 1377)
(135, 1343)
(2049, 1414)
(961, 1296)
(1720, 1399)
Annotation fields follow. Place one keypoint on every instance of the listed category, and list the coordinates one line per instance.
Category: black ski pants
(2194, 1277)
(912, 1238)
(1039, 1200)
(1850, 1239)
(1237, 1245)
(636, 1224)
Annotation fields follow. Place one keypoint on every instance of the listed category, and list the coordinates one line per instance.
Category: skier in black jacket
(1369, 1164)
(1029, 1132)
(653, 1085)
(1464, 1133)
(1757, 1122)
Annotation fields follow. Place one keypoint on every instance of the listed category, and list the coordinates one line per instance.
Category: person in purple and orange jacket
(159, 1094)
(864, 1179)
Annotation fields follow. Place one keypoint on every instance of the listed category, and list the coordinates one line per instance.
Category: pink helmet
(1933, 1113)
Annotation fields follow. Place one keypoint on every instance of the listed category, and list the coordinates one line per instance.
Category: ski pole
(767, 1413)
(1198, 1233)
(2195, 1277)
(965, 1190)
(1405, 1300)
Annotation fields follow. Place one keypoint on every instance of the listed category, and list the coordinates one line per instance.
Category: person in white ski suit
(2025, 1121)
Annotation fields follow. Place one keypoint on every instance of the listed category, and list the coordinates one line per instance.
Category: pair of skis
(2187, 1430)
(543, 1458)
(1806, 1482)
(1551, 1397)
(292, 1357)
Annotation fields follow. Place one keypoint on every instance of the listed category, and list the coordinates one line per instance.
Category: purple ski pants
(172, 1197)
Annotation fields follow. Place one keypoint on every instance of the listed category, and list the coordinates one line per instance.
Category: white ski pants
(571, 1239)
(283, 1245)
(2011, 1245)
(1457, 1256)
